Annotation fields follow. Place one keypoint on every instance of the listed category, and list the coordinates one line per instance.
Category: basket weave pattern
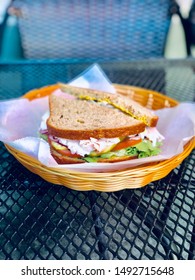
(109, 181)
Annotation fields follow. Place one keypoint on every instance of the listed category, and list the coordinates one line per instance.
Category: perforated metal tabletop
(39, 220)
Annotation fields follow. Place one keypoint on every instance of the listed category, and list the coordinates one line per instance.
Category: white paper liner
(20, 121)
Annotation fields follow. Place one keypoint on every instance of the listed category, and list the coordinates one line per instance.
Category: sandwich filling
(141, 145)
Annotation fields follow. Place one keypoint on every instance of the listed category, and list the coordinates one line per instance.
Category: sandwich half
(121, 102)
(80, 131)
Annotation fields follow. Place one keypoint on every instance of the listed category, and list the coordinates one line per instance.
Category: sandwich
(119, 101)
(99, 127)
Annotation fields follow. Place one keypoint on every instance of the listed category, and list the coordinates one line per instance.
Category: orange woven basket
(131, 178)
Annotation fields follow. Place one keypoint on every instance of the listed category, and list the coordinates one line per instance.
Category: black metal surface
(39, 220)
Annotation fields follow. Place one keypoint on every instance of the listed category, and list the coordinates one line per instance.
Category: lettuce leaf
(91, 159)
(146, 149)
(43, 136)
(141, 150)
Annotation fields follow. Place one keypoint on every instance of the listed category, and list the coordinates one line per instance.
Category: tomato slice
(127, 143)
(66, 152)
(63, 150)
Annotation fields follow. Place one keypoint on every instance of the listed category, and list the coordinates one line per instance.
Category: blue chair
(11, 45)
(89, 29)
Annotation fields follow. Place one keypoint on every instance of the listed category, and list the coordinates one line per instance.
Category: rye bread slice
(80, 120)
(123, 103)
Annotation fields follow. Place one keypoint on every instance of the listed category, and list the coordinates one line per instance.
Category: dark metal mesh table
(39, 220)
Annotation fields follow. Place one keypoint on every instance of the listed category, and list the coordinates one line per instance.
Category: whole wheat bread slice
(123, 103)
(79, 120)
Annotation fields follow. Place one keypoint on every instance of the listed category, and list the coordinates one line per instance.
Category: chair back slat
(105, 29)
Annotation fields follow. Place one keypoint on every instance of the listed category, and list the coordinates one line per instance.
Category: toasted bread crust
(80, 120)
(99, 133)
(121, 102)
(154, 121)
